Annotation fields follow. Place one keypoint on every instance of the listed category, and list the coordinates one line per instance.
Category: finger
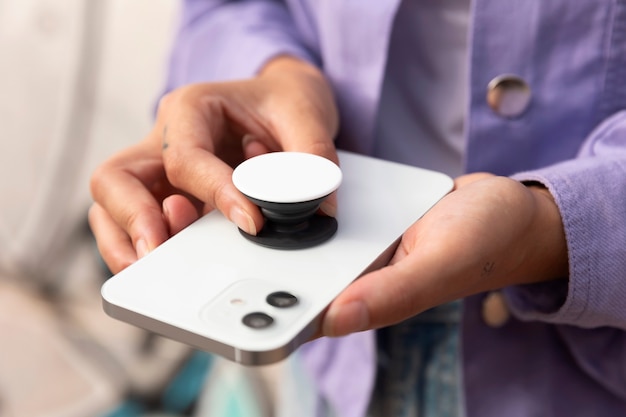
(125, 195)
(113, 243)
(351, 311)
(309, 129)
(329, 205)
(309, 121)
(179, 213)
(314, 140)
(384, 297)
(208, 178)
(307, 135)
(192, 166)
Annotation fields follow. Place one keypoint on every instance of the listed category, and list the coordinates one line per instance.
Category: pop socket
(289, 188)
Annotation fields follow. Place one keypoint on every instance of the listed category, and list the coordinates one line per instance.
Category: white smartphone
(213, 289)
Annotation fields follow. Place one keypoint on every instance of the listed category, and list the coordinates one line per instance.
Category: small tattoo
(487, 269)
(165, 144)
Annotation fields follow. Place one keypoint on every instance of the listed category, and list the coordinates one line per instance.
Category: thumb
(381, 298)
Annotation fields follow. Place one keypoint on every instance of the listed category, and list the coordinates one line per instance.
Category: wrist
(550, 245)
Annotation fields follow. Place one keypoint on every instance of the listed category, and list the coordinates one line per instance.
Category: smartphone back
(199, 286)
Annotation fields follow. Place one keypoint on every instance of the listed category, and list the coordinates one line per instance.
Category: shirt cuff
(540, 301)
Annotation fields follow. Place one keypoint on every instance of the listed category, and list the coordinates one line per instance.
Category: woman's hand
(489, 233)
(182, 169)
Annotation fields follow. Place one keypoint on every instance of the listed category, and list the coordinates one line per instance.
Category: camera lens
(257, 320)
(281, 299)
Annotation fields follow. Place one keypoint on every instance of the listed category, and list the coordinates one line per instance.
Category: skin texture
(183, 168)
(490, 232)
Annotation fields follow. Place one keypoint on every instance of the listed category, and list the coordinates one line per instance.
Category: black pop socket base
(292, 225)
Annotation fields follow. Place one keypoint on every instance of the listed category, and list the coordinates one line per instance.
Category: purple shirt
(564, 352)
(422, 105)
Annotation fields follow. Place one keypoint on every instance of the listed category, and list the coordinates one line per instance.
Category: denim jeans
(418, 366)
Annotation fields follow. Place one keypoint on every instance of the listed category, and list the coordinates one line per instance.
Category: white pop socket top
(287, 177)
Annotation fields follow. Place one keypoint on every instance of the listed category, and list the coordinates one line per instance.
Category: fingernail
(347, 318)
(243, 220)
(166, 208)
(142, 248)
(247, 139)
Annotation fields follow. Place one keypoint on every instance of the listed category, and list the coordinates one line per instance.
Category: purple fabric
(343, 371)
(209, 45)
(564, 352)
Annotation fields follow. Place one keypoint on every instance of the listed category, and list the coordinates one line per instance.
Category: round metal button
(495, 312)
(508, 95)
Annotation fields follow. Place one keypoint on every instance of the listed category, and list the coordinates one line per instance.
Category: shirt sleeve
(221, 40)
(590, 192)
(588, 309)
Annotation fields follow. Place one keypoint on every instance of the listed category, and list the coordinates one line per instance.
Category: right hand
(182, 169)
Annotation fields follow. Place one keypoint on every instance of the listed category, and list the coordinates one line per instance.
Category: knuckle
(174, 163)
(97, 181)
(211, 102)
(115, 260)
(132, 216)
(217, 195)
(192, 95)
(173, 99)
(100, 178)
(92, 215)
(167, 102)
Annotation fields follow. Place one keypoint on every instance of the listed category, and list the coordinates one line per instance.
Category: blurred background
(79, 79)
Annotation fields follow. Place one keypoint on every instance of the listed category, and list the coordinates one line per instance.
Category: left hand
(491, 232)
(150, 191)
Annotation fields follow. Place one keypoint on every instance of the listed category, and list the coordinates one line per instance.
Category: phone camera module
(257, 320)
(281, 299)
